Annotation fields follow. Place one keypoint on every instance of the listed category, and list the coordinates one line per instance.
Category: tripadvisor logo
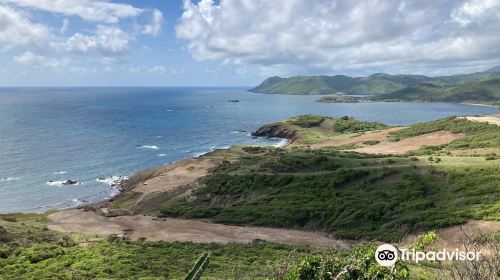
(387, 255)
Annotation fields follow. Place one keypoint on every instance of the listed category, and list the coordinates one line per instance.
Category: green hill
(495, 69)
(374, 84)
(472, 92)
(378, 83)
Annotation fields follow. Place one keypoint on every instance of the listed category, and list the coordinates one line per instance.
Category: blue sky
(239, 42)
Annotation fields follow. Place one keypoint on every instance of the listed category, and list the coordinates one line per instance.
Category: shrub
(371, 142)
(41, 251)
(307, 121)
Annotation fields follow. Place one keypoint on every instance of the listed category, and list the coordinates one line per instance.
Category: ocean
(48, 135)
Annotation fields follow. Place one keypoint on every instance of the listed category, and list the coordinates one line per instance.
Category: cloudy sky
(239, 42)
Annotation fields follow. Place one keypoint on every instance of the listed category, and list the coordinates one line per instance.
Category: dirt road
(88, 222)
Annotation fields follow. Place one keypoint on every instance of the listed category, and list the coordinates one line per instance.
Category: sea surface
(82, 134)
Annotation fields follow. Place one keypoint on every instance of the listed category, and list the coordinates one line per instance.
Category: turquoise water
(82, 134)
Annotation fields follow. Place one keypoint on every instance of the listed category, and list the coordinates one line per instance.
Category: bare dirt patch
(413, 143)
(377, 135)
(184, 172)
(149, 189)
(88, 222)
(488, 119)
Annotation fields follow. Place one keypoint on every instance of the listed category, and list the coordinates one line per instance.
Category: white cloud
(476, 10)
(154, 28)
(34, 61)
(162, 71)
(17, 29)
(344, 35)
(90, 10)
(107, 40)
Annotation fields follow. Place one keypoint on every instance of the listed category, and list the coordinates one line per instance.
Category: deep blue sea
(54, 134)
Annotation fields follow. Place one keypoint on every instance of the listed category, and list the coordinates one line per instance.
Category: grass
(354, 196)
(312, 129)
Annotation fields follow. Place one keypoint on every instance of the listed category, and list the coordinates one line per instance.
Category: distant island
(480, 87)
(339, 98)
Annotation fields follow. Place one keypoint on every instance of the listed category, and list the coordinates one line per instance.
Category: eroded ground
(136, 226)
(403, 146)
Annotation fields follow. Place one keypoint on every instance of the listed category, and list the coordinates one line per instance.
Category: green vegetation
(374, 84)
(309, 129)
(30, 251)
(482, 87)
(307, 121)
(351, 195)
(199, 266)
(371, 142)
(487, 92)
(83, 257)
(338, 98)
(358, 264)
(379, 83)
(478, 134)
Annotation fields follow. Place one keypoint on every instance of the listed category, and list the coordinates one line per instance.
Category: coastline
(137, 178)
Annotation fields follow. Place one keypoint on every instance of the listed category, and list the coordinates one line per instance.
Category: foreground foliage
(38, 253)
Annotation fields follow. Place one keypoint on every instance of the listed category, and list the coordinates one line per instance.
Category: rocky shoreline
(275, 130)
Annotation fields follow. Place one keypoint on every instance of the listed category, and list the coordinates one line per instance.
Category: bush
(307, 121)
(41, 251)
(358, 264)
(371, 142)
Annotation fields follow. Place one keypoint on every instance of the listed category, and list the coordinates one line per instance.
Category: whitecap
(199, 154)
(77, 202)
(9, 179)
(152, 147)
(168, 110)
(112, 181)
(61, 183)
(281, 143)
(59, 172)
(162, 155)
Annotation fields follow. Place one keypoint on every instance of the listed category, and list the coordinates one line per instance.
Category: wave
(61, 183)
(9, 179)
(162, 155)
(77, 202)
(238, 131)
(152, 147)
(113, 181)
(281, 143)
(59, 172)
(213, 148)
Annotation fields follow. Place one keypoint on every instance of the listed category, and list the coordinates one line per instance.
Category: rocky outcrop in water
(275, 131)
